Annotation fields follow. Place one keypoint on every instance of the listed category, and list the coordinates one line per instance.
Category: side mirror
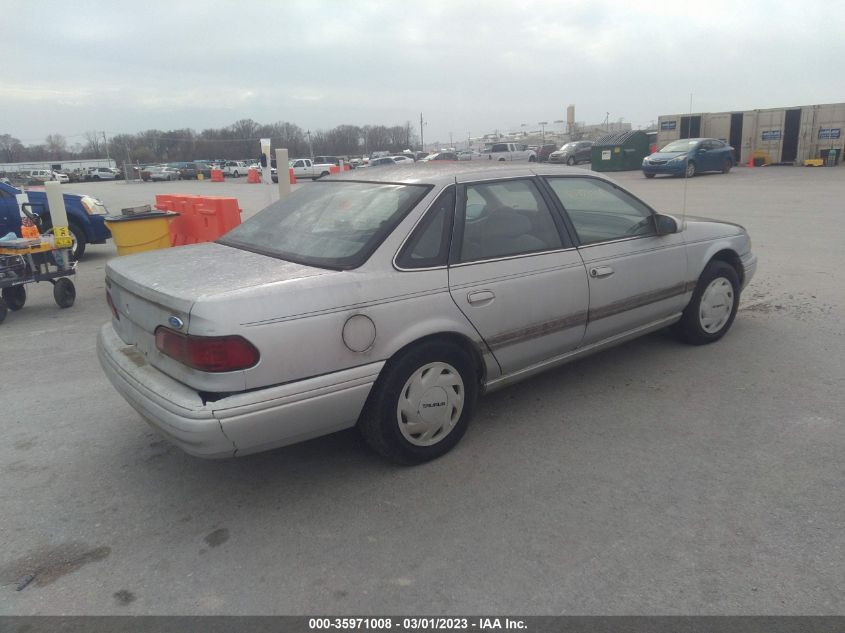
(665, 224)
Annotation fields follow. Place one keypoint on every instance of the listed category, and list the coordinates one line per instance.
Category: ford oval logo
(175, 322)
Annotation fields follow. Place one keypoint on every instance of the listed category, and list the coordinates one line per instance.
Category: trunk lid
(160, 288)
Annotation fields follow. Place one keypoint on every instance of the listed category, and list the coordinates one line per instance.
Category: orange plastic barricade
(216, 175)
(346, 167)
(292, 177)
(253, 176)
(334, 169)
(201, 218)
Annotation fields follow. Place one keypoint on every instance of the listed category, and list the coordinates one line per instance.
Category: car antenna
(686, 172)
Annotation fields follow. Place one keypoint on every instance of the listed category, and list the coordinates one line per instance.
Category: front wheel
(532, 159)
(15, 297)
(712, 309)
(648, 175)
(690, 170)
(77, 250)
(236, 174)
(570, 161)
(726, 166)
(64, 292)
(421, 405)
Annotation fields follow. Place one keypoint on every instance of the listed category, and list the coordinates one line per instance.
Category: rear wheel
(235, 173)
(15, 297)
(532, 159)
(3, 310)
(711, 311)
(421, 405)
(64, 292)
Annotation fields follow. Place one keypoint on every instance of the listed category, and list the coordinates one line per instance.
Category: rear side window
(504, 219)
(428, 245)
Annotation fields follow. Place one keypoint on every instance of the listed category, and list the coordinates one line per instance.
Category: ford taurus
(392, 303)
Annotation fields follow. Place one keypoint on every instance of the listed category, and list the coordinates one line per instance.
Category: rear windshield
(328, 224)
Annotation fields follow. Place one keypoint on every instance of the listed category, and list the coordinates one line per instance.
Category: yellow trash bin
(141, 232)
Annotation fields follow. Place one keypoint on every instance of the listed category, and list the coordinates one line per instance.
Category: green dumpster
(620, 151)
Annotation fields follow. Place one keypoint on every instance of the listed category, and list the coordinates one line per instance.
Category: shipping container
(774, 135)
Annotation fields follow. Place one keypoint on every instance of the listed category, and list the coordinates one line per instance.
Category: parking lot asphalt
(653, 478)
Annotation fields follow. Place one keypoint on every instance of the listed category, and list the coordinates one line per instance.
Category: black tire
(690, 169)
(380, 423)
(325, 173)
(571, 161)
(235, 174)
(726, 166)
(690, 327)
(14, 297)
(79, 240)
(3, 310)
(64, 292)
(96, 177)
(648, 175)
(532, 159)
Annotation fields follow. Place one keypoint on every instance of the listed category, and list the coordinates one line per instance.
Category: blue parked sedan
(690, 156)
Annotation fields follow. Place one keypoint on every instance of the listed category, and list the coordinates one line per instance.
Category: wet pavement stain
(47, 564)
(217, 537)
(124, 597)
(24, 445)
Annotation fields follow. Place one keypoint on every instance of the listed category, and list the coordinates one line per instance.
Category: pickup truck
(306, 168)
(508, 152)
(235, 168)
(85, 216)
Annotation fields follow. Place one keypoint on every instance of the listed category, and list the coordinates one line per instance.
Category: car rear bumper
(239, 424)
(558, 159)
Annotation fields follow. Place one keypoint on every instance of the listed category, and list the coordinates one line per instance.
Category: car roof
(440, 173)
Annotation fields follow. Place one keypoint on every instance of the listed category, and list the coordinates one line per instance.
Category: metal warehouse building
(784, 135)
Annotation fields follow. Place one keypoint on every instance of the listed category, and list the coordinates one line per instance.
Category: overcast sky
(470, 67)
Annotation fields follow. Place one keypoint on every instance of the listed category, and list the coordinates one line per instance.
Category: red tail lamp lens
(207, 353)
(114, 312)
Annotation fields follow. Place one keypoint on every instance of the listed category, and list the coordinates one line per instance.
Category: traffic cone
(751, 161)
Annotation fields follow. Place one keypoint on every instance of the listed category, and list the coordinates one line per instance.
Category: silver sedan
(393, 304)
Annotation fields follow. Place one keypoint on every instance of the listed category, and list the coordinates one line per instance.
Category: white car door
(514, 273)
(637, 277)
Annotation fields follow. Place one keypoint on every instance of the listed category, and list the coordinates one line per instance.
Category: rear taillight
(114, 312)
(207, 353)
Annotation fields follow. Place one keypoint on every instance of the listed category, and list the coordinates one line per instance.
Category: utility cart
(25, 261)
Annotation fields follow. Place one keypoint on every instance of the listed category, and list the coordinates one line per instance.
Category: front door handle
(480, 297)
(601, 271)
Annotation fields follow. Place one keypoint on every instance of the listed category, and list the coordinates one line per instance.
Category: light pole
(543, 125)
(451, 143)
(310, 149)
(422, 138)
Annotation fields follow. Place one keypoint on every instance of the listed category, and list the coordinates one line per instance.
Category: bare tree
(56, 146)
(93, 144)
(10, 147)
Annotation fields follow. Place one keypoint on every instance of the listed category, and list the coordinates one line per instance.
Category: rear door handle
(601, 271)
(480, 297)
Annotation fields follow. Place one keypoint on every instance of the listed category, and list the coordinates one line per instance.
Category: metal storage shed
(620, 151)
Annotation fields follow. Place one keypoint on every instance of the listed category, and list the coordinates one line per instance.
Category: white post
(265, 169)
(283, 172)
(56, 203)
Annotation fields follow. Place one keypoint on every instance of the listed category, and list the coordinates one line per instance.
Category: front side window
(506, 218)
(327, 224)
(601, 212)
